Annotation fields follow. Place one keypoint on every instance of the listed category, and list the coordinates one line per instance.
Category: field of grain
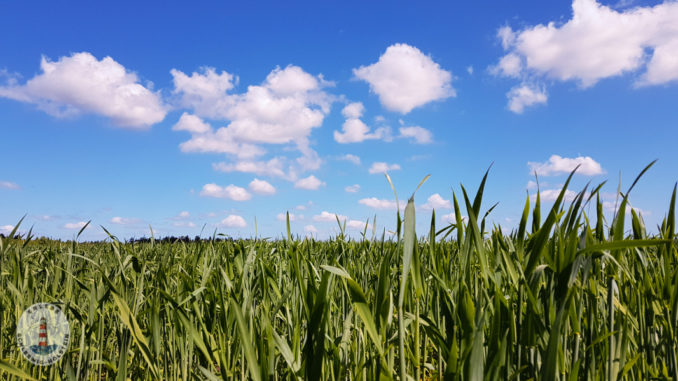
(565, 296)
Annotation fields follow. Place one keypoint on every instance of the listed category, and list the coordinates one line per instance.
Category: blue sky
(203, 117)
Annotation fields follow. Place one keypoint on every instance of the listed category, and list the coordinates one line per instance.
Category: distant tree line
(168, 239)
(173, 239)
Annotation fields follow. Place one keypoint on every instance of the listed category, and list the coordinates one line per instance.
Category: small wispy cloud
(381, 167)
(309, 183)
(74, 225)
(125, 221)
(9, 185)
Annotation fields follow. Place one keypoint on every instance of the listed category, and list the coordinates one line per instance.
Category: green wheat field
(567, 295)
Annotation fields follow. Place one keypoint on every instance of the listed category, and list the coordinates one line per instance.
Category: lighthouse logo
(43, 334)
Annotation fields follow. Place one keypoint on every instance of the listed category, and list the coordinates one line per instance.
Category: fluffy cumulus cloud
(74, 225)
(451, 218)
(81, 83)
(310, 229)
(204, 92)
(382, 167)
(350, 158)
(356, 224)
(597, 42)
(262, 187)
(405, 78)
(420, 135)
(283, 217)
(436, 201)
(560, 165)
(283, 110)
(9, 185)
(6, 229)
(355, 130)
(355, 188)
(525, 95)
(326, 216)
(309, 183)
(552, 194)
(233, 221)
(509, 66)
(232, 192)
(192, 124)
(376, 203)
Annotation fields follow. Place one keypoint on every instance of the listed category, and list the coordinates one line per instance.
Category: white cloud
(183, 224)
(356, 224)
(611, 206)
(219, 142)
(531, 185)
(233, 221)
(325, 216)
(469, 69)
(381, 167)
(231, 191)
(309, 183)
(510, 65)
(310, 229)
(262, 187)
(507, 37)
(308, 161)
(420, 135)
(283, 217)
(204, 92)
(663, 67)
(284, 109)
(82, 84)
(436, 201)
(75, 225)
(9, 185)
(6, 229)
(557, 165)
(552, 195)
(449, 218)
(352, 188)
(525, 95)
(124, 221)
(377, 203)
(599, 42)
(192, 124)
(183, 214)
(452, 218)
(274, 167)
(405, 78)
(300, 207)
(351, 158)
(355, 130)
(353, 110)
